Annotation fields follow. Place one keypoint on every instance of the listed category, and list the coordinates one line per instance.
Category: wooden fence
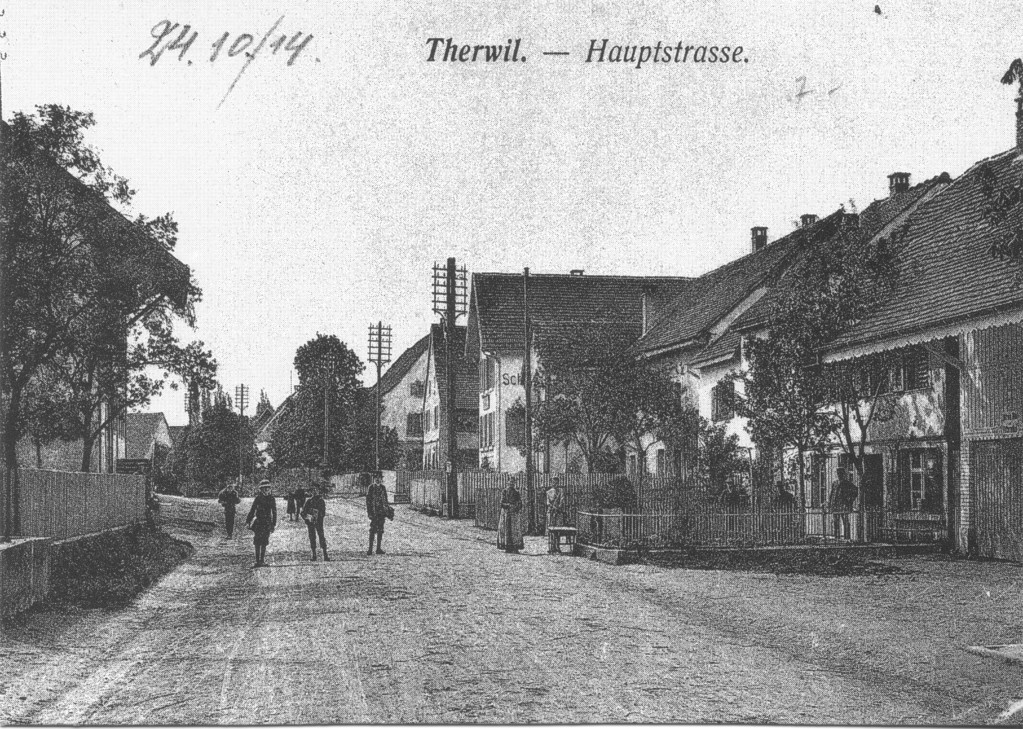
(61, 505)
(580, 491)
(428, 490)
(701, 525)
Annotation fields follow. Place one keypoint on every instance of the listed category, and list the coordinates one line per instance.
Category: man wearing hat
(312, 512)
(229, 499)
(378, 511)
(262, 520)
(843, 494)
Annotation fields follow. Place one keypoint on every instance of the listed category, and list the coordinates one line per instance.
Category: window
(487, 430)
(427, 425)
(722, 400)
(515, 427)
(436, 416)
(488, 365)
(414, 425)
(915, 373)
(922, 481)
(485, 402)
(416, 389)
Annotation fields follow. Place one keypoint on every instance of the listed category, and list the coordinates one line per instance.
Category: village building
(495, 340)
(146, 434)
(435, 411)
(699, 338)
(948, 458)
(402, 388)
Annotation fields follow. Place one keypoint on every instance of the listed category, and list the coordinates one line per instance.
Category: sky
(316, 196)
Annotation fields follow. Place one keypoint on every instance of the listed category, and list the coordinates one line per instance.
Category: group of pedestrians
(310, 507)
(510, 526)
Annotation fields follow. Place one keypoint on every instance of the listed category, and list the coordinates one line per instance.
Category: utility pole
(527, 380)
(379, 354)
(450, 300)
(241, 398)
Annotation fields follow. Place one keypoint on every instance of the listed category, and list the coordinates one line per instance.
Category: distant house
(402, 387)
(435, 403)
(494, 338)
(144, 434)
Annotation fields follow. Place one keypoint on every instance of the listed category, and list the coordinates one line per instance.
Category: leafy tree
(79, 278)
(597, 394)
(220, 448)
(264, 408)
(76, 276)
(360, 454)
(792, 400)
(328, 390)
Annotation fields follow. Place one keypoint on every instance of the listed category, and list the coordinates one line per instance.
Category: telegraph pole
(450, 300)
(241, 398)
(527, 378)
(379, 354)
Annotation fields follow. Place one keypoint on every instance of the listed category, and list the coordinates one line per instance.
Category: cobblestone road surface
(446, 629)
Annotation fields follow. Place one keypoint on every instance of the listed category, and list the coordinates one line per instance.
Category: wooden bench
(558, 536)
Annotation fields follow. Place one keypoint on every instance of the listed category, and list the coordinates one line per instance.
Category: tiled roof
(948, 275)
(616, 301)
(140, 430)
(714, 294)
(872, 221)
(400, 367)
(177, 432)
(466, 375)
(725, 346)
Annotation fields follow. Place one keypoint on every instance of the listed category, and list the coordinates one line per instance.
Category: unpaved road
(446, 629)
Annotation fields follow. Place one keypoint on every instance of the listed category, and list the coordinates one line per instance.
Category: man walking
(300, 497)
(313, 513)
(229, 499)
(262, 520)
(378, 510)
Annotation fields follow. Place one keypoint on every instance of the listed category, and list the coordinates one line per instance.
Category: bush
(110, 569)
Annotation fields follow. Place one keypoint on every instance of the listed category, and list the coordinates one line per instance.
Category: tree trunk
(39, 452)
(802, 477)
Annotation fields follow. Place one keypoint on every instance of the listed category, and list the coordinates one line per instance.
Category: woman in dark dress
(262, 520)
(292, 508)
(509, 525)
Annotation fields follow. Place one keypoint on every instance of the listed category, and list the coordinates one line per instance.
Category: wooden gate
(996, 469)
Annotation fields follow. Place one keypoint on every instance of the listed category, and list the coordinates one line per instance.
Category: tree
(1002, 201)
(219, 449)
(596, 394)
(360, 443)
(791, 399)
(328, 389)
(264, 408)
(76, 276)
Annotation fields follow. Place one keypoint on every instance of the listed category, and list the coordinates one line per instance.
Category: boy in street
(313, 513)
(229, 499)
(262, 520)
(378, 510)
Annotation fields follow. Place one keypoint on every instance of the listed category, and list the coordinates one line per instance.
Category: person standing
(300, 497)
(378, 511)
(555, 504)
(509, 525)
(313, 512)
(262, 520)
(229, 499)
(292, 508)
(843, 494)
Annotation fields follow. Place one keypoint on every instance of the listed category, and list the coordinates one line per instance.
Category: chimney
(807, 219)
(576, 272)
(758, 238)
(1019, 122)
(899, 181)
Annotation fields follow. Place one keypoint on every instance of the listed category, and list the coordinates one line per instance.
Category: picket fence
(62, 505)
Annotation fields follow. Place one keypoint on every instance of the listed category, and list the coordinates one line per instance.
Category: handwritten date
(167, 41)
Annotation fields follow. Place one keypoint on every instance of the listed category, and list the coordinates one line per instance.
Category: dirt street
(444, 628)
